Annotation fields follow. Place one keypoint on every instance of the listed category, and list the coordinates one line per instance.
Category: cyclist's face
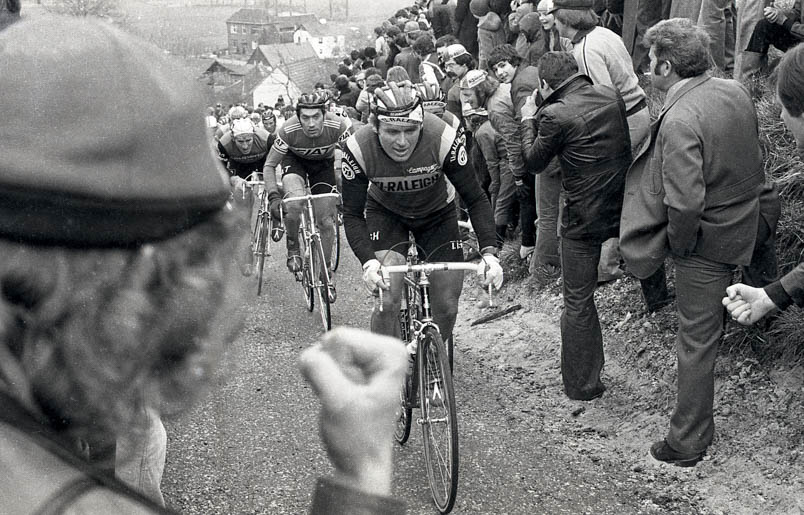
(398, 141)
(244, 142)
(269, 124)
(312, 122)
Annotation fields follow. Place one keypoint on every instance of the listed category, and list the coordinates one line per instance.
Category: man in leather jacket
(585, 126)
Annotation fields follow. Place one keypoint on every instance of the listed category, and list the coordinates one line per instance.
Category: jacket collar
(693, 83)
(581, 34)
(571, 84)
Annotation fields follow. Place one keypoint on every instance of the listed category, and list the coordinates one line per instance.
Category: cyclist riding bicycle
(235, 113)
(305, 145)
(394, 182)
(244, 150)
(269, 121)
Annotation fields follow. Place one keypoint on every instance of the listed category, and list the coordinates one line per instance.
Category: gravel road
(252, 446)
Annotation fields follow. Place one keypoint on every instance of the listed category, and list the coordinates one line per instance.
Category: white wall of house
(324, 45)
(274, 85)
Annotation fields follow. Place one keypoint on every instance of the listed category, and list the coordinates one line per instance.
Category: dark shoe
(595, 394)
(661, 451)
(294, 261)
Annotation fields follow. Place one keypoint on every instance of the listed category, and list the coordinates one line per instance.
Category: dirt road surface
(253, 446)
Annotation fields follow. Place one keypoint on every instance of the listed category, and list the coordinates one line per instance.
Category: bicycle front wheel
(306, 271)
(336, 247)
(320, 277)
(439, 419)
(261, 230)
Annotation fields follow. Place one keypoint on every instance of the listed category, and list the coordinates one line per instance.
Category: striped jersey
(291, 138)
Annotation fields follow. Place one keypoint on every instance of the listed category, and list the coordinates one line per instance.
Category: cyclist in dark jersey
(244, 150)
(394, 182)
(305, 145)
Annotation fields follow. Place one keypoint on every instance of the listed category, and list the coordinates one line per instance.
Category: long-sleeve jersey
(415, 188)
(243, 164)
(291, 138)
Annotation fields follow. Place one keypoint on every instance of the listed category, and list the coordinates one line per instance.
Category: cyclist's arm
(355, 191)
(460, 173)
(275, 156)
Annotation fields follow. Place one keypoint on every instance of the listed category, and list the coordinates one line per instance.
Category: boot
(751, 65)
(501, 231)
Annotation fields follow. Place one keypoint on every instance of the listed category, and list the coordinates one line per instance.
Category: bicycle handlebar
(387, 270)
(311, 196)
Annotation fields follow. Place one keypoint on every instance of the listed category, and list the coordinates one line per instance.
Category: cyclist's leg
(440, 238)
(293, 184)
(387, 231)
(322, 180)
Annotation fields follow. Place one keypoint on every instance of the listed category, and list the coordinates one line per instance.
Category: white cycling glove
(489, 268)
(371, 276)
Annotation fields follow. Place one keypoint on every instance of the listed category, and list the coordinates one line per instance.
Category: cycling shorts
(321, 174)
(436, 234)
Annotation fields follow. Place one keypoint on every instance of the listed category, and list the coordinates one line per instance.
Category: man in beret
(120, 289)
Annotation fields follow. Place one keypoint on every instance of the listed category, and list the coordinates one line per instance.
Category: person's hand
(747, 304)
(530, 108)
(489, 268)
(521, 189)
(771, 14)
(357, 376)
(371, 276)
(238, 184)
(276, 208)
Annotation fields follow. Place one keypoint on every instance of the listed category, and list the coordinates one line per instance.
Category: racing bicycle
(260, 241)
(429, 384)
(314, 276)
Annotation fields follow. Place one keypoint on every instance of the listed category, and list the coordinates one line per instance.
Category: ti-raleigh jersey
(411, 189)
(243, 164)
(291, 138)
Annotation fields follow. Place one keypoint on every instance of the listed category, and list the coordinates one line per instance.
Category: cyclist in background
(269, 121)
(244, 150)
(235, 113)
(394, 182)
(305, 145)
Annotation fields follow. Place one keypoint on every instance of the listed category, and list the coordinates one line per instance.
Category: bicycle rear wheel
(321, 281)
(439, 419)
(261, 229)
(306, 272)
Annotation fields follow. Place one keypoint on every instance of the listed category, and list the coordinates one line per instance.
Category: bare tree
(97, 8)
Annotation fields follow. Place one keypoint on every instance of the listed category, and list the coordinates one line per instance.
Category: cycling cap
(432, 96)
(467, 110)
(242, 126)
(118, 183)
(472, 79)
(398, 103)
(453, 51)
(237, 112)
(268, 114)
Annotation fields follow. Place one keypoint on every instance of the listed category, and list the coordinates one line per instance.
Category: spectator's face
(456, 70)
(398, 141)
(469, 98)
(504, 72)
(244, 142)
(657, 69)
(312, 122)
(548, 20)
(795, 124)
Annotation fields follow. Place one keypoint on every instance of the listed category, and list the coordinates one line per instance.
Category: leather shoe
(661, 451)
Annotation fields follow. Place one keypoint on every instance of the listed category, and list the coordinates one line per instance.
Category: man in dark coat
(466, 27)
(693, 193)
(9, 12)
(584, 125)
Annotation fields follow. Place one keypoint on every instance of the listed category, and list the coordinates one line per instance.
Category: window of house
(234, 29)
(244, 30)
(255, 31)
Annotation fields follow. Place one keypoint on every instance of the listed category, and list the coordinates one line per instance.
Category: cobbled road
(252, 445)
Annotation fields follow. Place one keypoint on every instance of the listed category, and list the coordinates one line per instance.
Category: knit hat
(529, 24)
(479, 7)
(453, 51)
(113, 151)
(412, 27)
(473, 78)
(574, 5)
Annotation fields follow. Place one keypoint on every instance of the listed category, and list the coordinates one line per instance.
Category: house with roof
(250, 27)
(295, 68)
(327, 40)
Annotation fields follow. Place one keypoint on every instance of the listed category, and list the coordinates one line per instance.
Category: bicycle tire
(409, 391)
(336, 247)
(306, 272)
(439, 420)
(321, 282)
(262, 228)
